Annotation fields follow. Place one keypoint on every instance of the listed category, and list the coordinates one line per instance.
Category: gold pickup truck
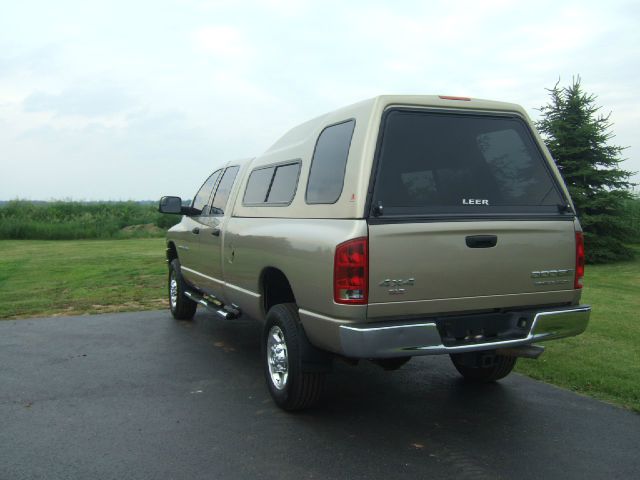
(395, 227)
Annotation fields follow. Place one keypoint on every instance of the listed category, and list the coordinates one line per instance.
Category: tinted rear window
(438, 163)
(329, 162)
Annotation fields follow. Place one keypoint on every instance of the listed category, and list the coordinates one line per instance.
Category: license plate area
(484, 328)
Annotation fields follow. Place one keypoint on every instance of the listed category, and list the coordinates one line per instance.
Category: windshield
(446, 163)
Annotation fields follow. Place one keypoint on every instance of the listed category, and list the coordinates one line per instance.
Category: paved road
(137, 396)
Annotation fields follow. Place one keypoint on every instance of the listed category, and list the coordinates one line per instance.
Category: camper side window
(273, 185)
(329, 163)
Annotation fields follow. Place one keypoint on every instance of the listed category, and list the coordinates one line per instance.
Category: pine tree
(578, 137)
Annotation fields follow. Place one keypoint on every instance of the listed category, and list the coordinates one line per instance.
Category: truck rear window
(448, 163)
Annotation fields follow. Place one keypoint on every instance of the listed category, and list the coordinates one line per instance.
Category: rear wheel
(283, 342)
(483, 367)
(182, 307)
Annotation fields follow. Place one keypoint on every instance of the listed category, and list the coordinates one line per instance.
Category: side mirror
(170, 205)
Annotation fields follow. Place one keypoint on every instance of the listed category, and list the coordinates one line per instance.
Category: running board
(212, 303)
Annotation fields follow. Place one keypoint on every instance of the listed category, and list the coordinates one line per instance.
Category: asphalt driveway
(138, 395)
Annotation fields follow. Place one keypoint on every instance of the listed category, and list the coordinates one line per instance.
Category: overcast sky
(118, 100)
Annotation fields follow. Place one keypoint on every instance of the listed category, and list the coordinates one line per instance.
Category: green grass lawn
(43, 278)
(603, 362)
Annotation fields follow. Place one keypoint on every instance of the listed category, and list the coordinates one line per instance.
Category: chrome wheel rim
(173, 289)
(277, 358)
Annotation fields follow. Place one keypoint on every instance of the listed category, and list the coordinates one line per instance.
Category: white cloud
(80, 101)
(138, 159)
(136, 88)
(223, 41)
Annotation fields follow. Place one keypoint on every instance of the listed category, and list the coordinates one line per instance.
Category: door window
(224, 190)
(201, 199)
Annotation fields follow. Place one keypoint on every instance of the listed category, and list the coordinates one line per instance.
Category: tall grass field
(20, 220)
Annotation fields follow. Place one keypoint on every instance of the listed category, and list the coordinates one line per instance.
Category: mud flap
(313, 359)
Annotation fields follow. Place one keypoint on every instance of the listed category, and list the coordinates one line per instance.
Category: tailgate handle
(482, 241)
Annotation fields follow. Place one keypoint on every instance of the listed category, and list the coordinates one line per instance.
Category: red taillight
(350, 272)
(579, 260)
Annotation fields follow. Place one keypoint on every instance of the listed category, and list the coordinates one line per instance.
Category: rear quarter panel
(302, 249)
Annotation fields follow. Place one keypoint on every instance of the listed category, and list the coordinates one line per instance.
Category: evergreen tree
(578, 137)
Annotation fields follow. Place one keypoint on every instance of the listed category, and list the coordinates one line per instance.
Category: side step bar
(228, 312)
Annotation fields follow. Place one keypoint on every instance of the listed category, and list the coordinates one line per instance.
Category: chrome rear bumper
(423, 338)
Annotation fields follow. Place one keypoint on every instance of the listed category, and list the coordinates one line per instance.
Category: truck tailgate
(414, 262)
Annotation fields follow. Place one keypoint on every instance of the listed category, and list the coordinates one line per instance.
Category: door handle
(195, 230)
(215, 232)
(481, 241)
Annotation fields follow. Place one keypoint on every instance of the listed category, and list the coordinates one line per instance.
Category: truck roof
(375, 105)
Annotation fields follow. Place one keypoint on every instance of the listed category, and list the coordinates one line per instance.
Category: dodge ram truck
(395, 227)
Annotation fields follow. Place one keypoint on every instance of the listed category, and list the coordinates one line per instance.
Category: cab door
(211, 244)
(188, 240)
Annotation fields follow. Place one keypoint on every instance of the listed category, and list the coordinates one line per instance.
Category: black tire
(283, 341)
(468, 366)
(182, 307)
